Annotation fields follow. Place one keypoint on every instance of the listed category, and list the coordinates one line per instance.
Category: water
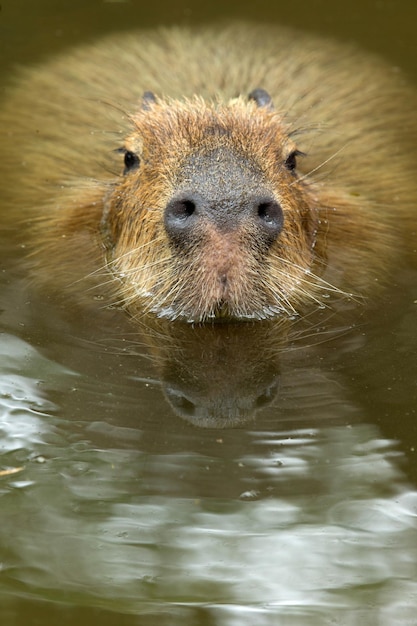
(205, 476)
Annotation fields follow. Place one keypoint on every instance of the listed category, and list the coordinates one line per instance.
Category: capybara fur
(226, 172)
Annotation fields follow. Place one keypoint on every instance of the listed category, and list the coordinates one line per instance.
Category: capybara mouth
(199, 308)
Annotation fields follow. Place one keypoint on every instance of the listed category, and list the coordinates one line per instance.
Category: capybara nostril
(181, 215)
(269, 217)
(187, 211)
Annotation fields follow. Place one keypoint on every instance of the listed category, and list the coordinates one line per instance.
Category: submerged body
(236, 172)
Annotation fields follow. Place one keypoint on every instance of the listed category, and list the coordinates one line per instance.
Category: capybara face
(211, 218)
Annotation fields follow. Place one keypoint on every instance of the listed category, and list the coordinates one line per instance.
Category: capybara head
(210, 218)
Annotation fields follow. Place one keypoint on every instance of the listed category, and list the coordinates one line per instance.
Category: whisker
(318, 167)
(324, 284)
(140, 248)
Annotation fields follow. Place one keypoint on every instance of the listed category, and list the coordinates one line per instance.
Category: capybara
(224, 172)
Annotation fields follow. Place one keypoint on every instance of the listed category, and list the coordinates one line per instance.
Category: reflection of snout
(221, 384)
(227, 408)
(219, 375)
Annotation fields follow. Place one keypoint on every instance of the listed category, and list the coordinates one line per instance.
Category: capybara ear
(261, 97)
(148, 99)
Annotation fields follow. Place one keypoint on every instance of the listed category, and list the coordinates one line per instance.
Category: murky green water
(205, 476)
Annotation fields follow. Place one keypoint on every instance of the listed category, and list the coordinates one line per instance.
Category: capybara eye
(291, 160)
(131, 161)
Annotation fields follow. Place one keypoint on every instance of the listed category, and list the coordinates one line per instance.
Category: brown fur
(345, 208)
